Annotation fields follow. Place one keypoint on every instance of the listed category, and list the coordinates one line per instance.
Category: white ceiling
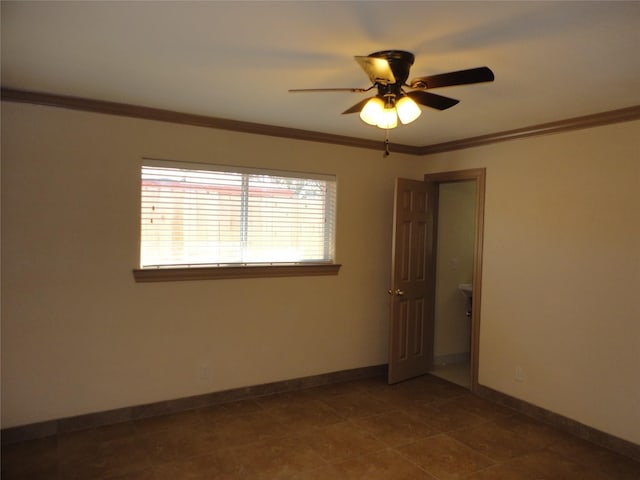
(236, 60)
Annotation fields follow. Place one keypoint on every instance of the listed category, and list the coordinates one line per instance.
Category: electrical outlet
(519, 375)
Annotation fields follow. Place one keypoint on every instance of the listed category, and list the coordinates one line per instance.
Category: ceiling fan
(388, 71)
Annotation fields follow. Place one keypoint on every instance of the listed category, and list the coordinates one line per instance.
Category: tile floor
(423, 429)
(458, 373)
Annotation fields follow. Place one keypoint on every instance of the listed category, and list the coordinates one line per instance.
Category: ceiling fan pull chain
(386, 145)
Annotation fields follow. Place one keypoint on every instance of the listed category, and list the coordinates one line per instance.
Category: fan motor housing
(399, 61)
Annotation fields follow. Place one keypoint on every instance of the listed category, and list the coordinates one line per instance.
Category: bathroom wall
(454, 265)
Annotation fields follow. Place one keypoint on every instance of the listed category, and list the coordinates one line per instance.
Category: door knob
(396, 292)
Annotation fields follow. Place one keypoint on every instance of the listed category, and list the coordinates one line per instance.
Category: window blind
(207, 215)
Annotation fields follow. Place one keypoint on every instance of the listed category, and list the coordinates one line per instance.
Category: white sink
(466, 289)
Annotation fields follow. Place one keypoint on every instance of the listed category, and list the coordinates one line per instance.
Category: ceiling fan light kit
(388, 71)
(385, 115)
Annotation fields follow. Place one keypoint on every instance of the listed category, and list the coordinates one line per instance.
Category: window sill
(251, 271)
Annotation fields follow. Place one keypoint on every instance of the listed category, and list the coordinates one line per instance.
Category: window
(212, 216)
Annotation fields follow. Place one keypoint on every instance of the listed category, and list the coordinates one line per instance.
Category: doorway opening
(458, 251)
(413, 274)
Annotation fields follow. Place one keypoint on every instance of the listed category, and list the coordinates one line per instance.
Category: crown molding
(170, 116)
(575, 123)
(149, 113)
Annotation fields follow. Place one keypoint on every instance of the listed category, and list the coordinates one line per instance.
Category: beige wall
(79, 335)
(454, 265)
(562, 272)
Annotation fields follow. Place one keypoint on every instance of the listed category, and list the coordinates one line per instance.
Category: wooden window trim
(143, 275)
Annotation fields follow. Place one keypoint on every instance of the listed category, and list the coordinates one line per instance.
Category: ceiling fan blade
(378, 69)
(432, 100)
(461, 77)
(357, 107)
(305, 90)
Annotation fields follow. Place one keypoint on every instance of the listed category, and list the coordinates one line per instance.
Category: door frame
(479, 176)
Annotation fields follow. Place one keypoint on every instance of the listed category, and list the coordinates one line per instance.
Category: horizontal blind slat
(206, 216)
